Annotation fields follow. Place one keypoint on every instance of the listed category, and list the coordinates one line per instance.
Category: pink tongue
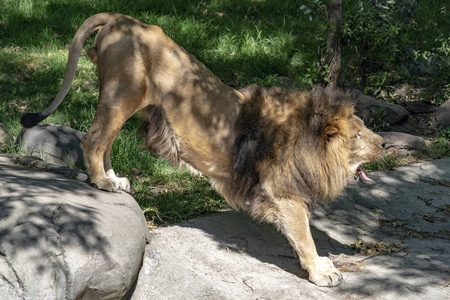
(363, 175)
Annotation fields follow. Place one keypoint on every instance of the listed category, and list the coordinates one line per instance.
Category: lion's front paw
(323, 273)
(124, 184)
(113, 184)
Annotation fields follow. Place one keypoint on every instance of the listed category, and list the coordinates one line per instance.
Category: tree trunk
(333, 53)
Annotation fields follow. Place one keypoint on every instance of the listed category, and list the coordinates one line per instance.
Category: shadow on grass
(195, 25)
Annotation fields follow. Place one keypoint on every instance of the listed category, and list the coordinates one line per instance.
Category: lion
(271, 152)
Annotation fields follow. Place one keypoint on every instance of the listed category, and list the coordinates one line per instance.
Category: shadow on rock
(62, 239)
(229, 256)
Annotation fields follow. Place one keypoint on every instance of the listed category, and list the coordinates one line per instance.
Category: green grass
(241, 41)
(436, 150)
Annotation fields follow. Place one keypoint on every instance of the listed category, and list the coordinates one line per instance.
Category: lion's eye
(358, 135)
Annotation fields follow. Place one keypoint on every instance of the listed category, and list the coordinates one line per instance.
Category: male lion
(270, 152)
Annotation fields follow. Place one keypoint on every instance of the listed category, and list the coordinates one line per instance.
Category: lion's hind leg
(293, 221)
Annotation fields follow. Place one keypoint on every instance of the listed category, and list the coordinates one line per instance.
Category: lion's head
(300, 144)
(365, 146)
(346, 142)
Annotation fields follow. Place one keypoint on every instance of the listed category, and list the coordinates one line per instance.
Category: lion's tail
(86, 29)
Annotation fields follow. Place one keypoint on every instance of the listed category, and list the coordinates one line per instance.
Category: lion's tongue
(362, 174)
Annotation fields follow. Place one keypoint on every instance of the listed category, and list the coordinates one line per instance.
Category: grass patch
(367, 248)
(387, 162)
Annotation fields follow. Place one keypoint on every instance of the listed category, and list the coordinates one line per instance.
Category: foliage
(387, 162)
(434, 63)
(387, 42)
(444, 134)
(372, 38)
(377, 121)
(316, 74)
(435, 94)
(435, 60)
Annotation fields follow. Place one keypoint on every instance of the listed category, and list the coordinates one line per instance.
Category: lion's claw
(324, 273)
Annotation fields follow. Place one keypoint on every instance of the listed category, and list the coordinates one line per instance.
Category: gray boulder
(399, 140)
(442, 117)
(370, 109)
(62, 239)
(57, 144)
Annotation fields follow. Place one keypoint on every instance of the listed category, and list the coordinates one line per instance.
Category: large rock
(442, 117)
(399, 140)
(62, 239)
(370, 109)
(57, 144)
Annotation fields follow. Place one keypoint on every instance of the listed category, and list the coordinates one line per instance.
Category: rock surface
(418, 107)
(398, 140)
(368, 108)
(442, 117)
(229, 256)
(57, 144)
(62, 239)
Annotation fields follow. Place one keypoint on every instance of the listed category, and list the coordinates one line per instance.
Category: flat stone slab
(229, 256)
(399, 140)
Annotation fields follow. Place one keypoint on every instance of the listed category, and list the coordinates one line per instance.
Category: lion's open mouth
(361, 174)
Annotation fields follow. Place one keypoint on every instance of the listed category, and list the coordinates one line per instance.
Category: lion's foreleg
(122, 182)
(107, 161)
(97, 144)
(293, 221)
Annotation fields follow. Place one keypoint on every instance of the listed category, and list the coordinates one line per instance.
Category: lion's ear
(334, 127)
(330, 131)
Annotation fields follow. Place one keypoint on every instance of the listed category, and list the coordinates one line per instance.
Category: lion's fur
(280, 134)
(272, 152)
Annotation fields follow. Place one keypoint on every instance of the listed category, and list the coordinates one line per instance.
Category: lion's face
(365, 146)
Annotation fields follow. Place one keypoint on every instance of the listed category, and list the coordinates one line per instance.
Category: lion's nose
(382, 141)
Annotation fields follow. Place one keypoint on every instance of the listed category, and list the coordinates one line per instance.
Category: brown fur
(271, 152)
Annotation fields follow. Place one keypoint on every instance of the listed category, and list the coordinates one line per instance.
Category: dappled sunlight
(26, 200)
(402, 208)
(62, 237)
(405, 215)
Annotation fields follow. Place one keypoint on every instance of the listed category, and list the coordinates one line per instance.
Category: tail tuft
(31, 119)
